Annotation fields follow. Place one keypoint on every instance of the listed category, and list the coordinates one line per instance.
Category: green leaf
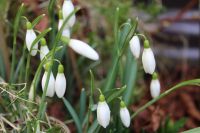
(194, 130)
(82, 105)
(116, 94)
(93, 127)
(73, 114)
(129, 77)
(37, 20)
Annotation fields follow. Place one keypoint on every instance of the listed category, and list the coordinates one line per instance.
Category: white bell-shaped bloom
(135, 46)
(83, 49)
(60, 23)
(44, 50)
(103, 112)
(60, 84)
(30, 37)
(67, 9)
(124, 115)
(155, 86)
(51, 84)
(148, 60)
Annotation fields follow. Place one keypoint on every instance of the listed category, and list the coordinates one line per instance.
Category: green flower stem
(27, 68)
(167, 92)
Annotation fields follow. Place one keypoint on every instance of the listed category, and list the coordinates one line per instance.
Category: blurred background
(173, 28)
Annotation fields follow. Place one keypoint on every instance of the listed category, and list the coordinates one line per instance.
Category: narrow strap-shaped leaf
(37, 20)
(167, 92)
(73, 114)
(82, 104)
(116, 94)
(16, 27)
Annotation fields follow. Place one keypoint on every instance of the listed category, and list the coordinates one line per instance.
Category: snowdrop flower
(67, 9)
(30, 37)
(44, 50)
(60, 84)
(155, 86)
(135, 46)
(66, 30)
(103, 112)
(124, 114)
(51, 85)
(83, 49)
(148, 59)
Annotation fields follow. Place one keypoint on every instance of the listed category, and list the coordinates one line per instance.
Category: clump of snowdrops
(110, 111)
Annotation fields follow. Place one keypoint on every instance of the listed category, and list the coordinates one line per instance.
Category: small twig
(9, 123)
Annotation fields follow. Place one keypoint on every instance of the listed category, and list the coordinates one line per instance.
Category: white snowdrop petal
(30, 37)
(60, 23)
(60, 85)
(44, 50)
(83, 49)
(155, 88)
(67, 9)
(148, 61)
(125, 117)
(135, 46)
(66, 32)
(103, 114)
(51, 85)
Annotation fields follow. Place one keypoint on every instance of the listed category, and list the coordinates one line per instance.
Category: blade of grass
(73, 114)
(167, 92)
(16, 28)
(194, 130)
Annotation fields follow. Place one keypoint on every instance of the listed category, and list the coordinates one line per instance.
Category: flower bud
(44, 50)
(83, 49)
(103, 112)
(51, 84)
(66, 32)
(155, 86)
(135, 46)
(67, 9)
(124, 114)
(30, 37)
(31, 93)
(60, 84)
(148, 59)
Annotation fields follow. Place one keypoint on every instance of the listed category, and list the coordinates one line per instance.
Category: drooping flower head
(135, 46)
(44, 50)
(67, 9)
(51, 84)
(155, 86)
(148, 60)
(30, 37)
(124, 114)
(103, 112)
(60, 84)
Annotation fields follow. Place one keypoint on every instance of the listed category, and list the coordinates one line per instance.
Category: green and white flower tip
(135, 46)
(124, 114)
(83, 49)
(155, 86)
(60, 84)
(67, 9)
(103, 112)
(51, 85)
(148, 59)
(30, 37)
(44, 50)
